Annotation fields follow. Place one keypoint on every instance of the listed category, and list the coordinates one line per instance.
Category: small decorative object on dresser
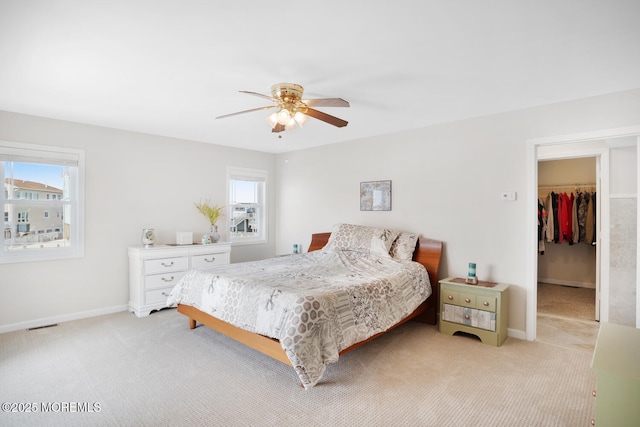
(184, 238)
(481, 310)
(154, 271)
(148, 237)
(212, 213)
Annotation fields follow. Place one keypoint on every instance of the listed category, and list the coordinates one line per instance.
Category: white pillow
(362, 239)
(404, 246)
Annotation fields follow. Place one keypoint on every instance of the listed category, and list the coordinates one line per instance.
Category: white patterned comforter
(316, 304)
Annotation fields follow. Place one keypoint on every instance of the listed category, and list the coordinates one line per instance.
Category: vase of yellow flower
(212, 213)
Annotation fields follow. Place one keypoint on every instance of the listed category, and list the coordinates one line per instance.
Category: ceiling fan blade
(246, 111)
(326, 102)
(326, 117)
(278, 128)
(270, 98)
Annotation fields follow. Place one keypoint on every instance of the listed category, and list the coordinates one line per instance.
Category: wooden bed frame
(428, 253)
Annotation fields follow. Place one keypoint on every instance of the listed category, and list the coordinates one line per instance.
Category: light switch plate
(508, 196)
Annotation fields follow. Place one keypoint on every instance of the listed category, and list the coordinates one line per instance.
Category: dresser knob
(486, 303)
(466, 316)
(593, 422)
(467, 300)
(450, 296)
(164, 264)
(593, 393)
(211, 259)
(164, 279)
(165, 294)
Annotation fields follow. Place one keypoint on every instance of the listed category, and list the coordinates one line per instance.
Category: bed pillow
(404, 246)
(361, 238)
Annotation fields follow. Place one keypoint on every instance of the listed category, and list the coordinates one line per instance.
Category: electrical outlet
(508, 196)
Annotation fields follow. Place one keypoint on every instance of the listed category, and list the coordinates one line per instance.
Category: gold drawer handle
(450, 296)
(486, 303)
(164, 279)
(210, 260)
(467, 300)
(593, 393)
(167, 265)
(466, 316)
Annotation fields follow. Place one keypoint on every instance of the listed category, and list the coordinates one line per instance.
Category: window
(43, 202)
(247, 206)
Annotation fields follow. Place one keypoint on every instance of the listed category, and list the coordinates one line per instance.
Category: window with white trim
(43, 202)
(247, 205)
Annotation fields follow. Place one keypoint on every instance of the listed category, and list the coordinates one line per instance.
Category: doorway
(567, 252)
(593, 143)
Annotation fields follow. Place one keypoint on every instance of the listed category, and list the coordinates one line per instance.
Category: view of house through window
(247, 207)
(40, 204)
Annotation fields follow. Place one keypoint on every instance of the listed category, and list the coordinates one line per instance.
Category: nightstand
(481, 310)
(154, 271)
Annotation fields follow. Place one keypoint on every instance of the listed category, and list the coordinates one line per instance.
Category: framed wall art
(375, 196)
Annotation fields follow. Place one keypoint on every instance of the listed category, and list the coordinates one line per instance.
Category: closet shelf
(574, 186)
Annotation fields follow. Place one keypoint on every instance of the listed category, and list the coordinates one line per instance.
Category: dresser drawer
(165, 265)
(157, 296)
(209, 260)
(163, 280)
(155, 271)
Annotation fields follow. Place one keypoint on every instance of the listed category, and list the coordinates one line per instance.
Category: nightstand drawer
(165, 265)
(487, 303)
(209, 260)
(467, 300)
(163, 280)
(449, 296)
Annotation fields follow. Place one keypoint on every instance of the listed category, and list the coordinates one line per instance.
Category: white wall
(446, 182)
(624, 237)
(133, 181)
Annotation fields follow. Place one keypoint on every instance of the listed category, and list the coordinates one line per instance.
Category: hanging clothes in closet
(566, 217)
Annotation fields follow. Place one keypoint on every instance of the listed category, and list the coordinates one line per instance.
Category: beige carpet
(155, 371)
(566, 317)
(567, 301)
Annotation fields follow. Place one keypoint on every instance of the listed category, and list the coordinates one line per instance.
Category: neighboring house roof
(31, 185)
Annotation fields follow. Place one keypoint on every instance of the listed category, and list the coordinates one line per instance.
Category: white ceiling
(169, 67)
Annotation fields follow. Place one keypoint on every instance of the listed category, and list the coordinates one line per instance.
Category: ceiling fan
(292, 110)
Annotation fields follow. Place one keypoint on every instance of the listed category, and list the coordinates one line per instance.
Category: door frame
(586, 144)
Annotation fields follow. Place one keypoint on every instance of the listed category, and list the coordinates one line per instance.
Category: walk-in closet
(567, 251)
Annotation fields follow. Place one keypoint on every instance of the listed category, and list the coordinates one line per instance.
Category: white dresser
(154, 271)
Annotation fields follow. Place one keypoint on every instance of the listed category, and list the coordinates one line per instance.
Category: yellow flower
(211, 212)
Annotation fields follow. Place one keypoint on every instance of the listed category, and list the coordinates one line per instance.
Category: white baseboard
(567, 283)
(516, 333)
(36, 323)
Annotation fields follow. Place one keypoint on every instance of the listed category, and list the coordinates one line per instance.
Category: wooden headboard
(428, 253)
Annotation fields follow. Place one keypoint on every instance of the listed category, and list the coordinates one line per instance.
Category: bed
(295, 319)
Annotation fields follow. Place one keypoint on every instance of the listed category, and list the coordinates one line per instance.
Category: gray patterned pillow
(404, 246)
(362, 238)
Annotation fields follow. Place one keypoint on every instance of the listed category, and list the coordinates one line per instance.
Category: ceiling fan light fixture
(299, 118)
(284, 117)
(292, 110)
(272, 120)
